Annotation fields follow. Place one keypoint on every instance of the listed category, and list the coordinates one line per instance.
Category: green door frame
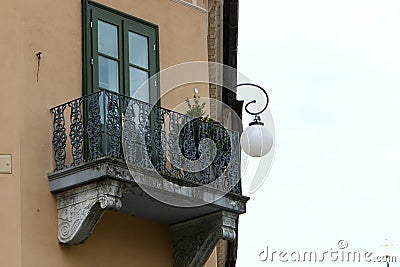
(91, 13)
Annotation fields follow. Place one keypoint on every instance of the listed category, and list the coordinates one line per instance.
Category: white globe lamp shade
(256, 140)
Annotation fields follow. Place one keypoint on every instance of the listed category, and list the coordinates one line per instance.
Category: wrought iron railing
(110, 125)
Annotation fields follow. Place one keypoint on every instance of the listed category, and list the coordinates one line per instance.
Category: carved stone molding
(194, 240)
(80, 209)
(199, 5)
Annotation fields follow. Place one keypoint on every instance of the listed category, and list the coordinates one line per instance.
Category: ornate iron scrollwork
(113, 125)
(158, 139)
(76, 133)
(59, 137)
(94, 126)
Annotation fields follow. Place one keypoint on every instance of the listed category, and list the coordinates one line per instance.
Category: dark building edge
(230, 51)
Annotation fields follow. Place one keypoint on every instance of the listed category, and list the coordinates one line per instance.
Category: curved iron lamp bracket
(257, 119)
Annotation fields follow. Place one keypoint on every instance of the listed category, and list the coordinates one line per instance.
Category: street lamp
(256, 140)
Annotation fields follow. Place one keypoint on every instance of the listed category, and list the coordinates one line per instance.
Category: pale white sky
(332, 69)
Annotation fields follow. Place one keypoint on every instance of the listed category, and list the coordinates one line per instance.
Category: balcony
(115, 152)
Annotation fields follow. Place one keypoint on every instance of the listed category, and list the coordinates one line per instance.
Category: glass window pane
(108, 74)
(137, 78)
(108, 39)
(138, 50)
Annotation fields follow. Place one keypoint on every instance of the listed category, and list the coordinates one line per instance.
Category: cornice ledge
(188, 4)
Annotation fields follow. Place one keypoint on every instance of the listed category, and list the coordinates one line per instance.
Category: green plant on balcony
(203, 126)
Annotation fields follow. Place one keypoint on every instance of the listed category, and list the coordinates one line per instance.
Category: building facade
(71, 193)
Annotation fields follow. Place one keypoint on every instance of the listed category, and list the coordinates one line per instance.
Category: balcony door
(121, 53)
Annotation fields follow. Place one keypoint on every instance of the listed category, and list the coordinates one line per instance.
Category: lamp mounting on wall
(256, 140)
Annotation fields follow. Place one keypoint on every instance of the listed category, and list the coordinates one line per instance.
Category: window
(120, 52)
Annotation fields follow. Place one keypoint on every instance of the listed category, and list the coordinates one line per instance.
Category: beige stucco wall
(10, 114)
(28, 236)
(212, 261)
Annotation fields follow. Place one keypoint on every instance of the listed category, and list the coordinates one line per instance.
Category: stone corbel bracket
(194, 240)
(80, 209)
